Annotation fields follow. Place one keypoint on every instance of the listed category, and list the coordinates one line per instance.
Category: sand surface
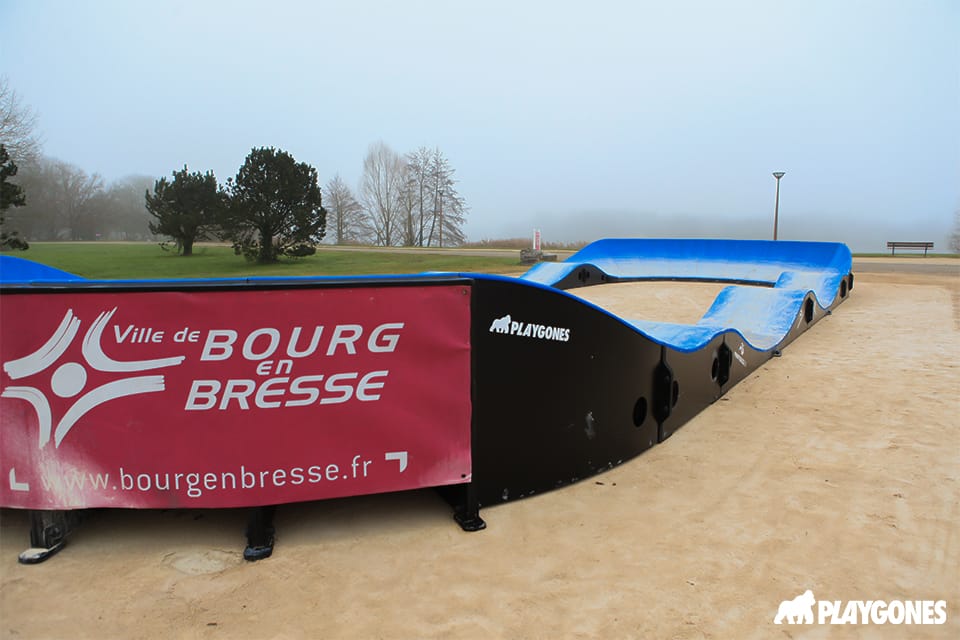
(835, 468)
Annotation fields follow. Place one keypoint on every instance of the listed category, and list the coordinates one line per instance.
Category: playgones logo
(69, 379)
(801, 609)
(509, 326)
(797, 611)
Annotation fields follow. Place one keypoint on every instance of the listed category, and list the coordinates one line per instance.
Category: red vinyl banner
(227, 398)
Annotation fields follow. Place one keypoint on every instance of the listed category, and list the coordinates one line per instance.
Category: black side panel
(585, 276)
(696, 382)
(561, 391)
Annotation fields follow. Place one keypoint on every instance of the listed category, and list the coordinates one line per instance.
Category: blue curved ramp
(779, 276)
(19, 270)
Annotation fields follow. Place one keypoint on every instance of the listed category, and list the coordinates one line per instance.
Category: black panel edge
(86, 286)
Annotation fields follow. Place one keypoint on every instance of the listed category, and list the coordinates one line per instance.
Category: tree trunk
(187, 245)
(266, 248)
(441, 219)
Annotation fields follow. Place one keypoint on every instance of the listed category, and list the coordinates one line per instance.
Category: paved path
(930, 266)
(938, 266)
(457, 251)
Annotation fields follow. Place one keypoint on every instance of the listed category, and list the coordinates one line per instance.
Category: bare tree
(62, 202)
(955, 236)
(408, 204)
(447, 207)
(125, 208)
(380, 189)
(119, 212)
(18, 123)
(75, 190)
(417, 194)
(345, 217)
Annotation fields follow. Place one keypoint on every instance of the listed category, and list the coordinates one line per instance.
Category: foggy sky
(585, 119)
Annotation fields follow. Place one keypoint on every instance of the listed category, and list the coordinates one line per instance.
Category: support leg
(260, 534)
(466, 509)
(48, 535)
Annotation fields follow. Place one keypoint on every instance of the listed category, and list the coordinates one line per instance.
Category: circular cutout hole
(639, 411)
(676, 393)
(808, 310)
(715, 368)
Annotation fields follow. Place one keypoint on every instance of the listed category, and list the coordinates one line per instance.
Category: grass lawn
(106, 260)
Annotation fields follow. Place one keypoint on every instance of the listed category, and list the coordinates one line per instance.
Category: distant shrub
(302, 250)
(524, 243)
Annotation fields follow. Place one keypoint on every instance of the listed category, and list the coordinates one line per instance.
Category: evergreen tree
(11, 195)
(275, 207)
(186, 209)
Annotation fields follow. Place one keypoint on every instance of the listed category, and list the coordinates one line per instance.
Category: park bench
(893, 246)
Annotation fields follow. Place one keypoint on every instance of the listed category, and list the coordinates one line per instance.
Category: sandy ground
(835, 468)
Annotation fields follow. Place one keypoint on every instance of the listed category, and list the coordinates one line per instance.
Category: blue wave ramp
(771, 282)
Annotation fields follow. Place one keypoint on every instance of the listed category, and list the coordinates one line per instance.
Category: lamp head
(778, 174)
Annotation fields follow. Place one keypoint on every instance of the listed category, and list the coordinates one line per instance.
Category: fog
(861, 237)
(583, 119)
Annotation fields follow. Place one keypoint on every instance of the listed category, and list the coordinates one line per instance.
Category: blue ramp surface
(782, 275)
(18, 270)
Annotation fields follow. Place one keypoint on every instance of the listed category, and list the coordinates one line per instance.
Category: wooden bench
(893, 246)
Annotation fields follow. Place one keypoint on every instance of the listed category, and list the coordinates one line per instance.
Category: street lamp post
(776, 206)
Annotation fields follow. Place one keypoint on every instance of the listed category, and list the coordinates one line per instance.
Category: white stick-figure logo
(70, 378)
